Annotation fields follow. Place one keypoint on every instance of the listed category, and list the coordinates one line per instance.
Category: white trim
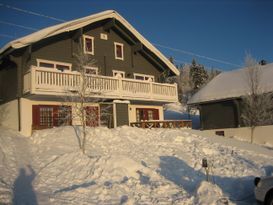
(144, 75)
(84, 44)
(79, 23)
(92, 68)
(121, 101)
(54, 63)
(115, 114)
(115, 72)
(122, 51)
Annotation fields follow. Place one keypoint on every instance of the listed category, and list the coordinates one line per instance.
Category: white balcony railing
(46, 81)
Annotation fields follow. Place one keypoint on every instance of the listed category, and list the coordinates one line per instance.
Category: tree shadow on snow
(23, 192)
(78, 134)
(75, 186)
(180, 173)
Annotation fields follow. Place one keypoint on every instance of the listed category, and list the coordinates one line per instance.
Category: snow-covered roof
(78, 23)
(233, 84)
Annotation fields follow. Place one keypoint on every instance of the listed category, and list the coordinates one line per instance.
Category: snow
(232, 84)
(208, 193)
(129, 165)
(177, 111)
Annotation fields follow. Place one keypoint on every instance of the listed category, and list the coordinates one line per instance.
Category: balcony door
(146, 114)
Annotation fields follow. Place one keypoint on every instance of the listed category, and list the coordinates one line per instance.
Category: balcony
(44, 81)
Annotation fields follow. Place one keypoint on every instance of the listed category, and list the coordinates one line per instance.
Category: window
(91, 70)
(119, 53)
(46, 116)
(143, 114)
(53, 64)
(116, 73)
(63, 116)
(138, 76)
(88, 44)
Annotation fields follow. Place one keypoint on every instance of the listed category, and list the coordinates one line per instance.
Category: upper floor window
(88, 44)
(91, 70)
(117, 73)
(139, 76)
(53, 64)
(119, 51)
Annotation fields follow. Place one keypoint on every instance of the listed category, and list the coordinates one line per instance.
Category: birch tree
(257, 104)
(87, 87)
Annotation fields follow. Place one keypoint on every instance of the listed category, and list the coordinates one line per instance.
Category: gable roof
(78, 23)
(232, 84)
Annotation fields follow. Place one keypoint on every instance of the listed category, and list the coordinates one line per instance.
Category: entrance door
(146, 114)
(92, 116)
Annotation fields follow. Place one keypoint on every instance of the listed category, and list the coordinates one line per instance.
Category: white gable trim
(78, 23)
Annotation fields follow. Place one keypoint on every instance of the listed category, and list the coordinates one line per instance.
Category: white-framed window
(139, 76)
(119, 51)
(53, 64)
(88, 44)
(117, 73)
(91, 70)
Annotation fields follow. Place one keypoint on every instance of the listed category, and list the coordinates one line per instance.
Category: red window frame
(144, 114)
(42, 122)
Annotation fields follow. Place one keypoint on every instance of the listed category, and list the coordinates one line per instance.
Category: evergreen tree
(198, 74)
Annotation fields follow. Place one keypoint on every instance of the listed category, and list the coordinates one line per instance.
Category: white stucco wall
(262, 134)
(9, 115)
(26, 113)
(132, 111)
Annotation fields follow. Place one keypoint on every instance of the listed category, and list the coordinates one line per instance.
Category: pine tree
(198, 74)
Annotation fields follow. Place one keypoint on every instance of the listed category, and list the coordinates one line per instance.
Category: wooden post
(151, 89)
(32, 79)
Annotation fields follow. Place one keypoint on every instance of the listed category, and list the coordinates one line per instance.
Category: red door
(92, 116)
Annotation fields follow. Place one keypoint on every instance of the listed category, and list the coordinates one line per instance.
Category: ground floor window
(47, 116)
(143, 114)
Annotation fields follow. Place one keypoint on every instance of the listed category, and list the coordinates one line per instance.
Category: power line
(61, 20)
(17, 25)
(7, 36)
(196, 55)
(31, 12)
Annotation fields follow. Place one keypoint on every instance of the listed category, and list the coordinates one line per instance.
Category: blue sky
(219, 29)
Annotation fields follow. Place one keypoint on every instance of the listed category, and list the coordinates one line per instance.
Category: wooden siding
(217, 115)
(61, 48)
(8, 83)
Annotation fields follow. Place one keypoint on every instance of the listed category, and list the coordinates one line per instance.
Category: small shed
(220, 101)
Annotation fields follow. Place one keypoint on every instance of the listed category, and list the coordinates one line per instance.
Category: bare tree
(257, 104)
(86, 89)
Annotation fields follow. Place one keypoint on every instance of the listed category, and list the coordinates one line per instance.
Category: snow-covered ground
(128, 166)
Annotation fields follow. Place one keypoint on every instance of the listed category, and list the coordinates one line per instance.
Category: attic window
(119, 53)
(88, 44)
(53, 64)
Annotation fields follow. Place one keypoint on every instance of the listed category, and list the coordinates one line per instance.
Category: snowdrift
(128, 166)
